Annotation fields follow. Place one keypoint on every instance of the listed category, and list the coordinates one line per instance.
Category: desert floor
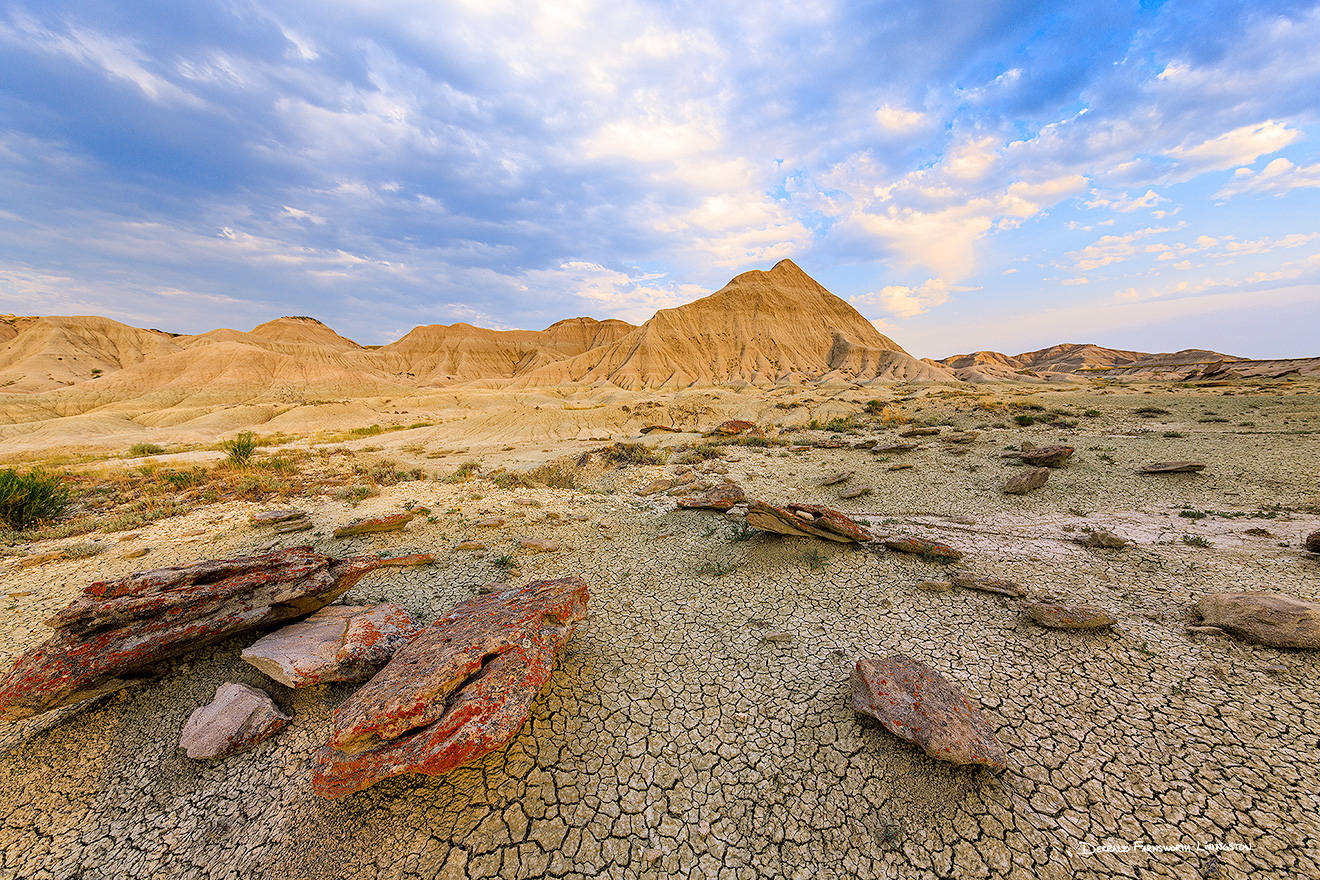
(698, 722)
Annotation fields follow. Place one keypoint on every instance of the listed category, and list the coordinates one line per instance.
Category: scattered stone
(495, 587)
(918, 704)
(730, 428)
(1102, 539)
(111, 636)
(655, 486)
(722, 497)
(539, 545)
(1173, 467)
(1312, 542)
(1021, 484)
(894, 449)
(461, 688)
(687, 487)
(471, 545)
(1046, 456)
(527, 501)
(489, 522)
(840, 477)
(276, 516)
(830, 444)
(1266, 533)
(1056, 616)
(917, 431)
(900, 466)
(806, 520)
(409, 560)
(337, 643)
(137, 552)
(1268, 618)
(392, 523)
(856, 492)
(935, 586)
(799, 447)
(988, 585)
(237, 719)
(921, 547)
(288, 527)
(961, 437)
(650, 429)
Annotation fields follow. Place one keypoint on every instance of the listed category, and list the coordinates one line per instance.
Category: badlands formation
(744, 591)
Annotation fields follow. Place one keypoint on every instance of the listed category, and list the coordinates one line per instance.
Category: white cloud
(899, 120)
(1124, 203)
(1241, 146)
(1279, 177)
(904, 302)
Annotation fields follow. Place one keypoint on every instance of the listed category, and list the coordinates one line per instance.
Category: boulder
(461, 688)
(1046, 456)
(277, 516)
(918, 704)
(1173, 467)
(988, 585)
(1268, 618)
(337, 643)
(806, 520)
(856, 492)
(1312, 542)
(721, 497)
(113, 634)
(1021, 484)
(921, 547)
(835, 479)
(237, 719)
(894, 449)
(730, 428)
(1056, 616)
(917, 431)
(392, 523)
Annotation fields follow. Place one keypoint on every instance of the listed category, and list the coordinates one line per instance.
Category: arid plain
(698, 722)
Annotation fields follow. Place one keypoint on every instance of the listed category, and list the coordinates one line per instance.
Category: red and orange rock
(337, 643)
(461, 688)
(110, 637)
(730, 428)
(917, 703)
(721, 497)
(806, 520)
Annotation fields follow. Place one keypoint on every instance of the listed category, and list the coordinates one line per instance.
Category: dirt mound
(55, 352)
(761, 327)
(1073, 362)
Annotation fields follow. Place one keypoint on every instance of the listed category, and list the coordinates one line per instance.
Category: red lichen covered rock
(917, 703)
(721, 497)
(1056, 616)
(731, 428)
(392, 523)
(110, 636)
(806, 520)
(337, 643)
(461, 688)
(922, 547)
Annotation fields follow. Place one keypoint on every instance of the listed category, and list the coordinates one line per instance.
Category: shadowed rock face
(108, 638)
(806, 520)
(1269, 618)
(459, 689)
(917, 703)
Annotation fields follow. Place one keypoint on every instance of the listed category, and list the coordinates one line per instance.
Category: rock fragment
(267, 517)
(1312, 543)
(112, 635)
(1173, 467)
(1027, 481)
(894, 449)
(237, 719)
(835, 479)
(855, 492)
(918, 704)
(806, 520)
(1046, 456)
(1273, 619)
(730, 428)
(337, 643)
(1056, 616)
(392, 523)
(988, 585)
(539, 545)
(655, 486)
(461, 688)
(1100, 538)
(960, 437)
(922, 547)
(918, 431)
(721, 497)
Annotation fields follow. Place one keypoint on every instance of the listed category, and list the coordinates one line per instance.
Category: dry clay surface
(699, 722)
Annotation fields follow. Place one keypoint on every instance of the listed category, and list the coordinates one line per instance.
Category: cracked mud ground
(676, 739)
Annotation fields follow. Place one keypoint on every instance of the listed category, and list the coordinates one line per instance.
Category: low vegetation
(32, 498)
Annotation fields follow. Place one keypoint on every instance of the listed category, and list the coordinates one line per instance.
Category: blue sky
(968, 175)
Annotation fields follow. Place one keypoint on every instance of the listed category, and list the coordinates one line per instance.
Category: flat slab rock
(1268, 618)
(720, 497)
(392, 523)
(921, 547)
(731, 428)
(1173, 467)
(806, 520)
(277, 516)
(1046, 456)
(112, 635)
(1056, 616)
(461, 688)
(918, 704)
(337, 643)
(988, 585)
(239, 717)
(1027, 481)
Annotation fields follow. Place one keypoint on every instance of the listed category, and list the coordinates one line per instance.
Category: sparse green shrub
(1192, 514)
(743, 532)
(140, 449)
(1196, 541)
(356, 494)
(1024, 420)
(1173, 433)
(556, 475)
(369, 431)
(504, 561)
(630, 453)
(1091, 413)
(32, 498)
(239, 449)
(465, 470)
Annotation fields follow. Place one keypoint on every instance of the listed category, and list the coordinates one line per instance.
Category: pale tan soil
(675, 740)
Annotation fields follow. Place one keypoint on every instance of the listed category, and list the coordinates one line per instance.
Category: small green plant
(239, 449)
(368, 431)
(504, 562)
(356, 494)
(32, 498)
(815, 558)
(1024, 420)
(1091, 413)
(743, 532)
(138, 450)
(1189, 513)
(630, 453)
(1173, 433)
(1196, 541)
(465, 470)
(716, 568)
(1106, 458)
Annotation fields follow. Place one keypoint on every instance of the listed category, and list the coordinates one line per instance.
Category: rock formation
(337, 643)
(461, 688)
(1268, 618)
(806, 520)
(237, 719)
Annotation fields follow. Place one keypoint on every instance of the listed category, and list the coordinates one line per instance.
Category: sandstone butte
(460, 689)
(109, 637)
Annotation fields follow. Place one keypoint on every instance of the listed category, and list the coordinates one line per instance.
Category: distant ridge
(1074, 362)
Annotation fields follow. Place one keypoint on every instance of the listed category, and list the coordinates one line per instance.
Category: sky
(968, 175)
